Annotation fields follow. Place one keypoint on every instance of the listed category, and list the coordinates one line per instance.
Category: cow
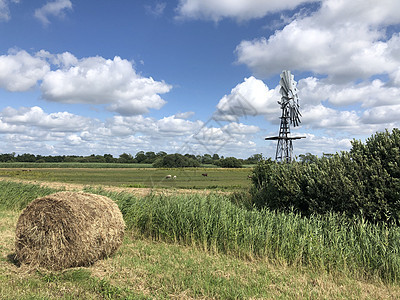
(168, 177)
(204, 174)
(174, 177)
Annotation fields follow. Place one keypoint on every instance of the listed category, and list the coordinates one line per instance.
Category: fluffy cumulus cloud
(55, 8)
(345, 41)
(377, 104)
(366, 94)
(96, 80)
(354, 56)
(30, 128)
(237, 9)
(93, 80)
(249, 98)
(36, 117)
(20, 71)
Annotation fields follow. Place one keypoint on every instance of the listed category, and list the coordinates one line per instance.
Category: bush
(229, 162)
(364, 181)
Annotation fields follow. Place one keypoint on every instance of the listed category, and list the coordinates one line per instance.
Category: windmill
(290, 116)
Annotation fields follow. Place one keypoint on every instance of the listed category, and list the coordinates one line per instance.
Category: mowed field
(186, 178)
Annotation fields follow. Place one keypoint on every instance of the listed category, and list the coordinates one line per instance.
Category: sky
(194, 76)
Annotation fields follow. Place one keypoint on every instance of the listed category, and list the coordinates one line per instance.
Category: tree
(229, 162)
(255, 158)
(7, 157)
(308, 158)
(140, 157)
(150, 157)
(109, 158)
(175, 161)
(207, 159)
(215, 157)
(125, 158)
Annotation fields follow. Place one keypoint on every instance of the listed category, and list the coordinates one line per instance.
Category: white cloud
(92, 80)
(184, 115)
(10, 128)
(96, 80)
(156, 10)
(56, 8)
(318, 145)
(20, 71)
(319, 116)
(175, 126)
(343, 40)
(249, 98)
(240, 128)
(366, 94)
(36, 117)
(388, 115)
(30, 129)
(237, 9)
(5, 10)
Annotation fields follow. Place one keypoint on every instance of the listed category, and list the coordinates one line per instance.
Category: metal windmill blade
(290, 99)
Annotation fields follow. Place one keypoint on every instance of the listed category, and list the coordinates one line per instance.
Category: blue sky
(194, 76)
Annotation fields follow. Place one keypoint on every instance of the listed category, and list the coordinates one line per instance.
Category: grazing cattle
(168, 177)
(204, 174)
(174, 177)
(250, 176)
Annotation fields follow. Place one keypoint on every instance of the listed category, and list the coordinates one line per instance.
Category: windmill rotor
(290, 98)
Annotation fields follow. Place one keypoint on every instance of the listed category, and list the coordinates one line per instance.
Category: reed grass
(332, 243)
(16, 196)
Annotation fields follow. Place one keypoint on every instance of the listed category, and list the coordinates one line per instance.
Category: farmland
(186, 178)
(197, 246)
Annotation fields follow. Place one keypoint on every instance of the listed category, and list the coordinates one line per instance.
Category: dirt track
(135, 191)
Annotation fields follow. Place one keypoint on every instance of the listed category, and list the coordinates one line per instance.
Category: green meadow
(186, 178)
(194, 246)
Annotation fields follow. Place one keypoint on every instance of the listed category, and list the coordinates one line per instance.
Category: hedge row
(363, 182)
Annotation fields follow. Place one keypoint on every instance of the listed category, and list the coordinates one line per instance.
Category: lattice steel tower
(290, 116)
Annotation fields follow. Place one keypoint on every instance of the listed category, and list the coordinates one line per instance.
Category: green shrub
(364, 181)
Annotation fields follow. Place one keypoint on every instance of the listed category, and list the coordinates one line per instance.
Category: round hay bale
(68, 229)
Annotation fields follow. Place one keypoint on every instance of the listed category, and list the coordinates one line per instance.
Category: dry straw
(68, 229)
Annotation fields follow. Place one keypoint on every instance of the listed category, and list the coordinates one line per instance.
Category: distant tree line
(159, 159)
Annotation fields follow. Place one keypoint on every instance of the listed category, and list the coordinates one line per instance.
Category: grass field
(145, 269)
(187, 178)
(204, 247)
(150, 268)
(31, 165)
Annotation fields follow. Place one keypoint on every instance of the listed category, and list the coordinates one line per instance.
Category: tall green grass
(16, 196)
(332, 243)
